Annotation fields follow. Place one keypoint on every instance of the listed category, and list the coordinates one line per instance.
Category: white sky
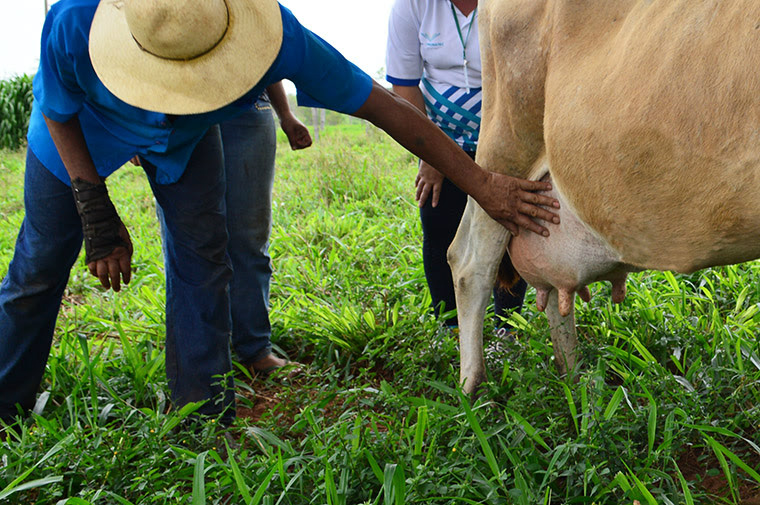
(357, 28)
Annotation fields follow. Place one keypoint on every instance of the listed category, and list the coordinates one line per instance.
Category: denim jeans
(249, 143)
(197, 309)
(47, 246)
(249, 151)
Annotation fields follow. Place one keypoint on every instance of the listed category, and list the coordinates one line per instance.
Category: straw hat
(184, 56)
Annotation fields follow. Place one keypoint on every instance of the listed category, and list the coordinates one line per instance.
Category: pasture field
(665, 409)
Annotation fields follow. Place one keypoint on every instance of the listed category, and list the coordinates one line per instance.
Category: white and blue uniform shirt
(425, 49)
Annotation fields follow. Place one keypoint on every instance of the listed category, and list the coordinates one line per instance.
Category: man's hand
(517, 203)
(116, 265)
(297, 133)
(429, 182)
(108, 248)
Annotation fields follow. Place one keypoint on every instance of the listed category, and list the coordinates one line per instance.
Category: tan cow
(645, 114)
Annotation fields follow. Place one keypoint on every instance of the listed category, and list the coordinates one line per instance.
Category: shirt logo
(431, 38)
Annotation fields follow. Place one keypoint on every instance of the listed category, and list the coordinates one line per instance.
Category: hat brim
(224, 74)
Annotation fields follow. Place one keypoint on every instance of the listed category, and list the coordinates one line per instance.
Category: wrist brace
(100, 222)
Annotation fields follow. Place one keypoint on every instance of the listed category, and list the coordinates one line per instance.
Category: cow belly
(572, 257)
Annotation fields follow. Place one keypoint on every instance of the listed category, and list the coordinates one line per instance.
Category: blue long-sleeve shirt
(66, 85)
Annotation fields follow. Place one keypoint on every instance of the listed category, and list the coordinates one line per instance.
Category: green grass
(666, 408)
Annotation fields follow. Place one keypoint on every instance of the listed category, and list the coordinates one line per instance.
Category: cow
(645, 116)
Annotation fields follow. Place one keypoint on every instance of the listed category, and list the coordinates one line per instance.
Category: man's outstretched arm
(512, 202)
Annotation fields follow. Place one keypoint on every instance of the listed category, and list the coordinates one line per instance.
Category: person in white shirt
(433, 61)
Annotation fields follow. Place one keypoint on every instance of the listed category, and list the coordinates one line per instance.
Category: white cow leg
(562, 329)
(474, 256)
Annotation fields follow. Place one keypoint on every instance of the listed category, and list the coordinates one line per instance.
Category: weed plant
(664, 408)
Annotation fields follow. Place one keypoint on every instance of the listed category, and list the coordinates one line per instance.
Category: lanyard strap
(464, 40)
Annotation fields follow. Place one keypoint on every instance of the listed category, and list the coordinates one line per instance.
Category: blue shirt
(66, 86)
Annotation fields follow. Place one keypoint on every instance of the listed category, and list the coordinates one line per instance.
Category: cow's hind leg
(562, 330)
(474, 256)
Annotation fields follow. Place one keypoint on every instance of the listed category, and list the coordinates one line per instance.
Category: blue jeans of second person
(249, 152)
(249, 143)
(197, 309)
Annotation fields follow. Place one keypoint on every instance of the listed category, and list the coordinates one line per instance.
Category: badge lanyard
(464, 41)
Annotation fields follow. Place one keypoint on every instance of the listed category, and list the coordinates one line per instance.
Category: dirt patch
(283, 399)
(704, 469)
(263, 402)
(267, 397)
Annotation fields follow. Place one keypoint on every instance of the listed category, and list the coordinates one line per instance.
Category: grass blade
(30, 485)
(199, 482)
(263, 486)
(484, 445)
(614, 403)
(684, 487)
(394, 484)
(242, 487)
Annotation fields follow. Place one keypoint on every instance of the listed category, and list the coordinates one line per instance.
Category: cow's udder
(572, 257)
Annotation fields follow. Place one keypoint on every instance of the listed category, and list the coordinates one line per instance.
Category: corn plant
(15, 107)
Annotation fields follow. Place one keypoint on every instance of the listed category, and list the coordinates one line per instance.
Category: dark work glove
(100, 222)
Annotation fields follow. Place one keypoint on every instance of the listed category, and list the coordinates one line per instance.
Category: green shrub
(15, 107)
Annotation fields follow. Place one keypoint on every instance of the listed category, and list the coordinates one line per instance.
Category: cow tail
(507, 277)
